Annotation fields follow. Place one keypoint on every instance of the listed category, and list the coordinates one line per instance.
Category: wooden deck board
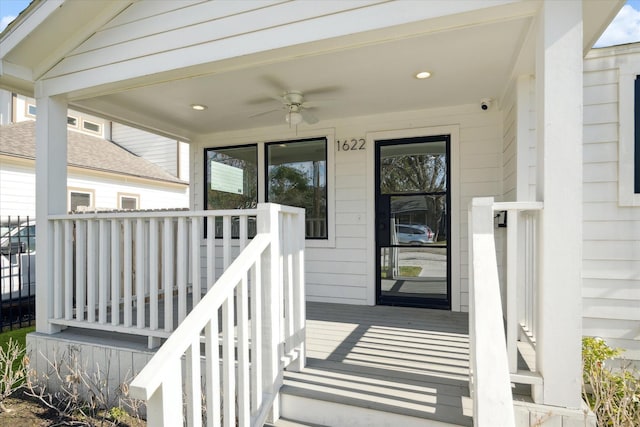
(404, 360)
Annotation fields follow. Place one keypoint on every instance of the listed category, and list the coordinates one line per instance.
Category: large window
(231, 183)
(297, 176)
(231, 177)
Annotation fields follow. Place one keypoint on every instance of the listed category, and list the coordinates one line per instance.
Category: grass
(409, 271)
(19, 335)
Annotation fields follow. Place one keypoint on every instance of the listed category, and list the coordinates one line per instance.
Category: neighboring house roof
(83, 151)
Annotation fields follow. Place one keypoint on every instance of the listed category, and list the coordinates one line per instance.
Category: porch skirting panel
(110, 359)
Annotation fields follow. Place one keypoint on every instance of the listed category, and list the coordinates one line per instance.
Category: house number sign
(353, 144)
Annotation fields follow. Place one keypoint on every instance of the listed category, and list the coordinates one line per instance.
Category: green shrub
(612, 394)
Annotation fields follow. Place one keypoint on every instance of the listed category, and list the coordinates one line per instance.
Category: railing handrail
(490, 378)
(162, 214)
(148, 380)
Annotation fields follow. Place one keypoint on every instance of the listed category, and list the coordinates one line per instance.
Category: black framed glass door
(412, 222)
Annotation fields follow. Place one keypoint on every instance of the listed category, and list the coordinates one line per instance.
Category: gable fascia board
(322, 34)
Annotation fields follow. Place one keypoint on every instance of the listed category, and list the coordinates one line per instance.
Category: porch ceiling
(466, 64)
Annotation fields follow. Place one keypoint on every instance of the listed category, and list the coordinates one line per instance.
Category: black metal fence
(17, 272)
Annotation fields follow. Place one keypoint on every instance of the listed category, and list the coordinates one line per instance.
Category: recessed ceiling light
(198, 107)
(423, 75)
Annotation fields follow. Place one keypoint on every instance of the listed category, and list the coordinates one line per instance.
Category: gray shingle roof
(83, 151)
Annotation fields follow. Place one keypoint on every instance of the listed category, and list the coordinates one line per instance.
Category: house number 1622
(352, 144)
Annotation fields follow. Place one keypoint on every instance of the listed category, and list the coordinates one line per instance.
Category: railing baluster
(58, 270)
(192, 383)
(81, 271)
(140, 270)
(256, 335)
(226, 241)
(128, 273)
(195, 260)
(182, 272)
(244, 403)
(212, 354)
(115, 272)
(103, 271)
(167, 275)
(512, 277)
(153, 274)
(287, 248)
(228, 363)
(211, 251)
(68, 269)
(91, 270)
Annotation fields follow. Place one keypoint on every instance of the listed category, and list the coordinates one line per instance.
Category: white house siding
(611, 251)
(17, 188)
(343, 272)
(152, 195)
(157, 149)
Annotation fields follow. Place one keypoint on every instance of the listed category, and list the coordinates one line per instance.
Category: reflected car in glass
(413, 234)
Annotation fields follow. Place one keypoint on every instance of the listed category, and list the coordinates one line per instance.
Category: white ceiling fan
(294, 105)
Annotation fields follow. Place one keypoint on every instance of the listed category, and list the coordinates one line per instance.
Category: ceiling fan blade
(264, 100)
(309, 117)
(275, 83)
(322, 90)
(262, 113)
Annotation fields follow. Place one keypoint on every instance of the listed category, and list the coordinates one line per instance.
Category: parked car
(17, 262)
(413, 234)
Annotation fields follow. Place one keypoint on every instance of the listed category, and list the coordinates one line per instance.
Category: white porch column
(51, 197)
(559, 185)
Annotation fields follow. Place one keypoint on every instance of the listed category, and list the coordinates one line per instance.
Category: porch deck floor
(402, 360)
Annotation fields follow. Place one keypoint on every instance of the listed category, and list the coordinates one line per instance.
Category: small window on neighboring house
(128, 201)
(31, 110)
(91, 127)
(72, 121)
(636, 127)
(80, 200)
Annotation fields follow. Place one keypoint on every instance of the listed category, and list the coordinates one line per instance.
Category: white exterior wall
(342, 271)
(611, 251)
(17, 189)
(157, 149)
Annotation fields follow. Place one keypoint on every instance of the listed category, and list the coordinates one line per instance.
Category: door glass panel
(411, 213)
(413, 168)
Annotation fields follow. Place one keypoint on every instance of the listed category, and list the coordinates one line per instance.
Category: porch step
(331, 394)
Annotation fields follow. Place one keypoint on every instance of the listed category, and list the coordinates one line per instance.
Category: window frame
(98, 125)
(90, 192)
(135, 197)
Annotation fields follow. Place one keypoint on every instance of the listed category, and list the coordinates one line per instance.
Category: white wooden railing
(139, 273)
(490, 381)
(520, 289)
(251, 325)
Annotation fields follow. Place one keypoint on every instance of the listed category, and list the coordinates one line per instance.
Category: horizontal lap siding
(154, 148)
(611, 245)
(17, 189)
(340, 274)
